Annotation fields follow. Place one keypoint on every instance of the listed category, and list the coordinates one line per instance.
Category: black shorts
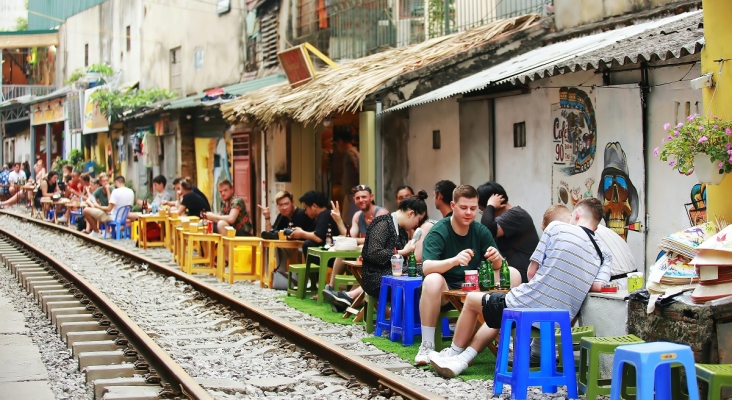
(493, 306)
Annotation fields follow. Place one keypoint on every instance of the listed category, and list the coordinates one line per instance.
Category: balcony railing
(347, 29)
(10, 92)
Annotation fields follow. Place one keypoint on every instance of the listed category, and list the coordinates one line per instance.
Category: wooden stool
(236, 247)
(207, 243)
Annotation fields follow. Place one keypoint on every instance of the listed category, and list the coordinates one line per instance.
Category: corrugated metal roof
(236, 89)
(47, 14)
(670, 37)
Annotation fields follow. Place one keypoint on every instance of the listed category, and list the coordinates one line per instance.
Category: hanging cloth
(121, 154)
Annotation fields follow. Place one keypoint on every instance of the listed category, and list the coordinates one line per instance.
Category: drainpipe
(645, 91)
(49, 144)
(379, 153)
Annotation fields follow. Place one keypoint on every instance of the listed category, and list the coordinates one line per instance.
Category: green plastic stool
(590, 349)
(369, 315)
(717, 376)
(301, 291)
(439, 345)
(578, 332)
(344, 280)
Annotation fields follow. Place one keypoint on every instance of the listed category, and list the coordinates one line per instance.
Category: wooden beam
(29, 40)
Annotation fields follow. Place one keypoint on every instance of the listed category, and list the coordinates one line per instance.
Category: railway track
(243, 331)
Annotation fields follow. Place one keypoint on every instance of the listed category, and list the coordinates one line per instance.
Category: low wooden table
(457, 299)
(57, 205)
(273, 245)
(46, 204)
(161, 220)
(227, 246)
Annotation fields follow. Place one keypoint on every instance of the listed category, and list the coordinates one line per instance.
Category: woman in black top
(382, 238)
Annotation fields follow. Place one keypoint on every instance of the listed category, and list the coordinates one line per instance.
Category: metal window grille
(270, 38)
(73, 111)
(129, 39)
(175, 70)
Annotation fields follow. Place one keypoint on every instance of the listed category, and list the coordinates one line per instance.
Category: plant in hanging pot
(700, 145)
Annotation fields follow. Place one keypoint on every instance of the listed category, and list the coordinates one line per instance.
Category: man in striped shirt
(566, 265)
(623, 260)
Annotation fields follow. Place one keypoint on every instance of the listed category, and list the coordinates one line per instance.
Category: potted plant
(699, 145)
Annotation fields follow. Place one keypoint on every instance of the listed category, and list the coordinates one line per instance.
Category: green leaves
(697, 135)
(114, 104)
(100, 68)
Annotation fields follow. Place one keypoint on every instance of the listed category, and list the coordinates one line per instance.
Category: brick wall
(187, 151)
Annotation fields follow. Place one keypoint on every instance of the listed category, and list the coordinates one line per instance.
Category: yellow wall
(717, 32)
(367, 144)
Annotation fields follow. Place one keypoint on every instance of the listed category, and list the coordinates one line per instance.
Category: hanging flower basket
(707, 171)
(699, 145)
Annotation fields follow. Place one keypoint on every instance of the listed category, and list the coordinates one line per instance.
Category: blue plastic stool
(383, 324)
(405, 309)
(73, 215)
(652, 362)
(520, 378)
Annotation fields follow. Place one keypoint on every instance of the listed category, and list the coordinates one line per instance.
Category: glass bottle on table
(483, 272)
(328, 238)
(412, 266)
(505, 275)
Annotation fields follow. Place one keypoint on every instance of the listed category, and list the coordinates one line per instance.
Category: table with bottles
(325, 256)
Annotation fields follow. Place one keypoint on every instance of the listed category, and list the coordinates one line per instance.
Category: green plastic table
(325, 256)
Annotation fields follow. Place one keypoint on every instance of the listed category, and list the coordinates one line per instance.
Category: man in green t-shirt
(453, 245)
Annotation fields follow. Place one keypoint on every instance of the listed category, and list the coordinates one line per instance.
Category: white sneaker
(448, 367)
(96, 235)
(423, 356)
(446, 352)
(62, 219)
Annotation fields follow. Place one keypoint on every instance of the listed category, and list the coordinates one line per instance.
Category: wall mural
(212, 166)
(617, 192)
(697, 209)
(575, 173)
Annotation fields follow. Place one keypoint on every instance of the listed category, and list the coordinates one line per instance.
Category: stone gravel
(64, 377)
(165, 308)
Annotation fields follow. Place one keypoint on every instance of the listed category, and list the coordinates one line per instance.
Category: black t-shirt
(519, 239)
(200, 193)
(299, 219)
(322, 223)
(194, 204)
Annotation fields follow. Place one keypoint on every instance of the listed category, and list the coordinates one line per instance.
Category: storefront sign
(94, 120)
(297, 65)
(47, 112)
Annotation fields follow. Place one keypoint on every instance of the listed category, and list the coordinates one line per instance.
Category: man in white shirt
(623, 261)
(15, 175)
(121, 196)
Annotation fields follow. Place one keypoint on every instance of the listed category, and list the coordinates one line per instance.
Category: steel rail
(155, 356)
(343, 361)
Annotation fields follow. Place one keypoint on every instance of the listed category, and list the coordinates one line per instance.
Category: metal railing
(347, 29)
(10, 92)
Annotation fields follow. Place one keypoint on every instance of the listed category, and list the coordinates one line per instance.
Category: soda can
(210, 227)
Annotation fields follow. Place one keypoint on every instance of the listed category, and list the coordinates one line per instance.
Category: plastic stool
(590, 382)
(302, 280)
(444, 330)
(652, 362)
(405, 309)
(578, 332)
(520, 378)
(344, 280)
(717, 376)
(382, 324)
(370, 313)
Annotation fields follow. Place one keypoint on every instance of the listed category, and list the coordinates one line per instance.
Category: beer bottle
(483, 276)
(328, 238)
(412, 265)
(491, 277)
(144, 207)
(505, 275)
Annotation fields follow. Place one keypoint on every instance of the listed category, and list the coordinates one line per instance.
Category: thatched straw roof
(345, 88)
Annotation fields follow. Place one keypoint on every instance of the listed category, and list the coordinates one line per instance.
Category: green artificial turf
(482, 368)
(311, 307)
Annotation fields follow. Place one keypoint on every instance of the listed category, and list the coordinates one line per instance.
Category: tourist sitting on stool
(386, 233)
(566, 265)
(453, 246)
(191, 203)
(161, 196)
(289, 217)
(121, 196)
(233, 212)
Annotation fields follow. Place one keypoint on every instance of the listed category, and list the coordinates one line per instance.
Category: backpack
(152, 229)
